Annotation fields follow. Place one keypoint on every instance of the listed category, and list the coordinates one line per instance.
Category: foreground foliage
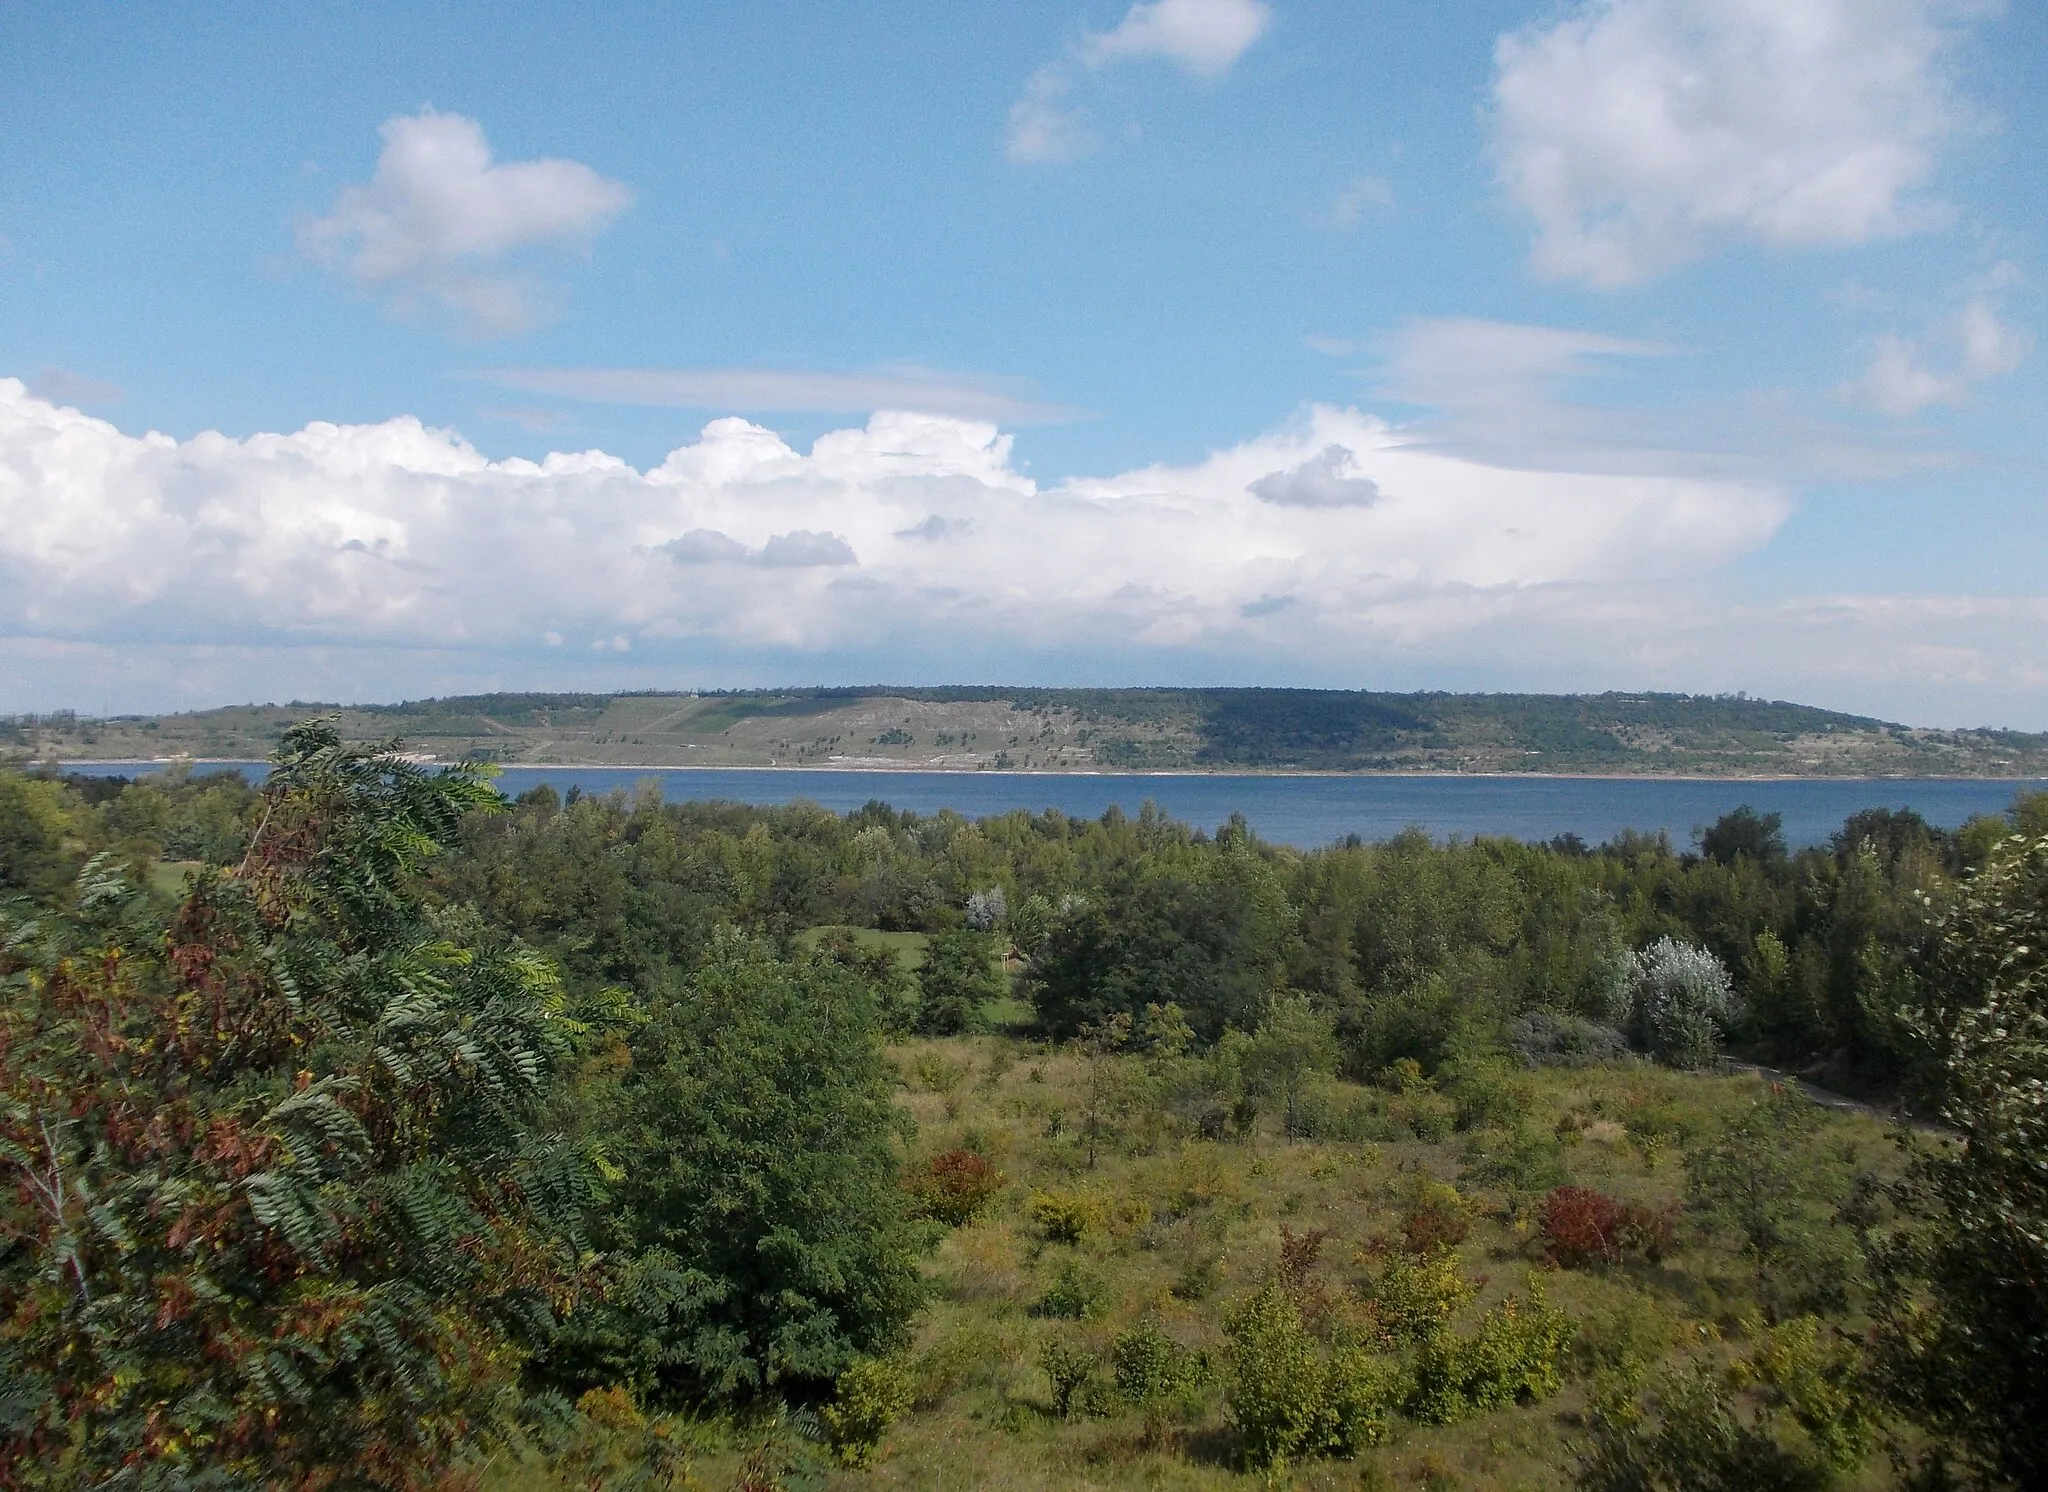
(273, 1205)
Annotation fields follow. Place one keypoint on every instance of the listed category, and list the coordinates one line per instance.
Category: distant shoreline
(1227, 772)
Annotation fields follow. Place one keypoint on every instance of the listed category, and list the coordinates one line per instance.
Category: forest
(371, 1130)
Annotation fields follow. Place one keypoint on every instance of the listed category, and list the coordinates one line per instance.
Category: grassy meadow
(1175, 1229)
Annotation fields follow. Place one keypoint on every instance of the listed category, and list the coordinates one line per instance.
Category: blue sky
(1642, 343)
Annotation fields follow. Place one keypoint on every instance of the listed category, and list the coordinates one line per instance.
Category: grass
(1186, 1226)
(907, 946)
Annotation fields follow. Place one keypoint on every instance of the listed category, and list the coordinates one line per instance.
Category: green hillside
(992, 728)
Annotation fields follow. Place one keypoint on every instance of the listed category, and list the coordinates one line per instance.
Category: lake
(1306, 811)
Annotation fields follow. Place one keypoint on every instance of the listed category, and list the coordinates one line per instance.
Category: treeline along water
(1306, 811)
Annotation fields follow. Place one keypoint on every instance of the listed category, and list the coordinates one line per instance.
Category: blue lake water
(1306, 811)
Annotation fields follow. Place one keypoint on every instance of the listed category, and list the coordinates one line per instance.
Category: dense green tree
(1745, 834)
(1209, 935)
(35, 825)
(959, 975)
(756, 1235)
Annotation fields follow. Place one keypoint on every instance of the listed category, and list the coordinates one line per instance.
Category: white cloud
(1326, 480)
(780, 389)
(438, 221)
(375, 561)
(914, 531)
(1642, 134)
(1360, 195)
(1044, 129)
(1906, 377)
(1203, 38)
(62, 386)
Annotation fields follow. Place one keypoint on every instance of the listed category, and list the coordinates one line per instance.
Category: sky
(381, 351)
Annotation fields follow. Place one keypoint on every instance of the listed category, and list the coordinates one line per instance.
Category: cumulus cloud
(1319, 482)
(1641, 134)
(440, 222)
(1203, 38)
(62, 386)
(916, 528)
(1905, 377)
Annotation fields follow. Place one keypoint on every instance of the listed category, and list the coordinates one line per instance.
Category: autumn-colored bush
(1581, 1226)
(1436, 1219)
(954, 1187)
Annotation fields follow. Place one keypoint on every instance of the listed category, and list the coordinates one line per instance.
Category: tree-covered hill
(974, 728)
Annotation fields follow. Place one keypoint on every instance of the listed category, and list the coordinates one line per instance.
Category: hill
(995, 728)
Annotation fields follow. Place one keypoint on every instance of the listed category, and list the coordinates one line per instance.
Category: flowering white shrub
(987, 910)
(1682, 1000)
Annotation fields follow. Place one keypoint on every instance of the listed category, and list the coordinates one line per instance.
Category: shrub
(1693, 1434)
(870, 1395)
(1278, 1389)
(1066, 1216)
(1071, 1371)
(1291, 1396)
(1581, 1226)
(1362, 1391)
(953, 1188)
(1427, 1116)
(1682, 1000)
(1415, 1295)
(1436, 1218)
(1520, 1161)
(1544, 1038)
(1816, 1379)
(1075, 1294)
(1514, 1357)
(611, 1444)
(1486, 1098)
(276, 1182)
(1151, 1365)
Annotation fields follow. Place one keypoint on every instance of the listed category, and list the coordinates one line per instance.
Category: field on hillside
(1121, 1276)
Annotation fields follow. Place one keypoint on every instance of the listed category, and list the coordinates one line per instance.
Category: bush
(1151, 1365)
(1278, 1388)
(1075, 1294)
(953, 1188)
(1693, 1435)
(1292, 1397)
(1544, 1038)
(1427, 1116)
(1414, 1296)
(1076, 1389)
(1581, 1226)
(1514, 1357)
(1436, 1218)
(758, 1232)
(870, 1396)
(1066, 1216)
(1682, 999)
(1487, 1098)
(1520, 1162)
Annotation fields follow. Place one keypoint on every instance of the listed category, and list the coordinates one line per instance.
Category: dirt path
(1841, 1103)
